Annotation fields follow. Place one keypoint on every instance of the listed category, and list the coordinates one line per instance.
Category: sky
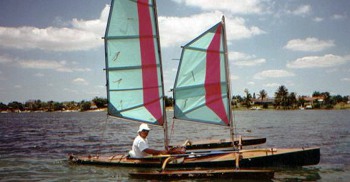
(52, 50)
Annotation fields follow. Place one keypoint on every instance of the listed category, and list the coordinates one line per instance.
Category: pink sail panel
(212, 77)
(149, 62)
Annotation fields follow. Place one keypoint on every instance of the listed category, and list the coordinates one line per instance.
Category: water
(34, 146)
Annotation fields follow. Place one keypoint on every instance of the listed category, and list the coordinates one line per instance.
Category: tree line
(283, 99)
(51, 106)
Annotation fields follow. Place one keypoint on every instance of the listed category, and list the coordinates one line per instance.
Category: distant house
(93, 106)
(268, 101)
(310, 101)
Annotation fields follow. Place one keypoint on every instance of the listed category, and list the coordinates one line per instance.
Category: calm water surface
(34, 146)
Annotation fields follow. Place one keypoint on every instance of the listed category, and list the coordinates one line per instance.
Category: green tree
(281, 97)
(301, 101)
(72, 105)
(3, 107)
(50, 106)
(292, 100)
(16, 106)
(168, 101)
(100, 102)
(33, 105)
(58, 106)
(85, 105)
(262, 95)
(236, 99)
(248, 98)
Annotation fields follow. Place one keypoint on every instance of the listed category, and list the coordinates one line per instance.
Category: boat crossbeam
(166, 161)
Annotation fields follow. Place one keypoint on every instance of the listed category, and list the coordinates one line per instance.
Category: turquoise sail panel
(201, 85)
(133, 62)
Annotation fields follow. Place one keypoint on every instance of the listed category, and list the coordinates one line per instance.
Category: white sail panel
(133, 64)
(201, 86)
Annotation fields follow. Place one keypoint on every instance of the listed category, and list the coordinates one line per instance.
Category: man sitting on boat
(140, 147)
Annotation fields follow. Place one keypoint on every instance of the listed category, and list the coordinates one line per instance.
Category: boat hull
(205, 173)
(248, 158)
(223, 143)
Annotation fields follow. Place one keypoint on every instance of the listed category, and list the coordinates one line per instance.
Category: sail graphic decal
(148, 59)
(133, 62)
(212, 77)
(201, 85)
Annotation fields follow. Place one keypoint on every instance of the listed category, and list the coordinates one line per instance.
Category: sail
(133, 62)
(201, 90)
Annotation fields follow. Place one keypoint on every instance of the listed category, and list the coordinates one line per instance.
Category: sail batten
(130, 37)
(203, 50)
(201, 85)
(133, 89)
(133, 62)
(130, 67)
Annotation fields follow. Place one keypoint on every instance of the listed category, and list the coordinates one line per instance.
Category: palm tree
(262, 95)
(292, 100)
(281, 97)
(248, 98)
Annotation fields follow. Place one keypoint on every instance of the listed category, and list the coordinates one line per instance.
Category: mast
(227, 67)
(165, 121)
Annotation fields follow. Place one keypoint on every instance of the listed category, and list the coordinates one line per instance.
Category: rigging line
(234, 123)
(103, 136)
(172, 129)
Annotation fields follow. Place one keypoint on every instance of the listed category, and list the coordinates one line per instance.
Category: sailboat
(135, 91)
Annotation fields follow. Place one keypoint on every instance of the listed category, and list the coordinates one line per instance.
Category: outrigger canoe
(246, 158)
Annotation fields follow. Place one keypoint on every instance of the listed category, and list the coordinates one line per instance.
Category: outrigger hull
(224, 143)
(248, 158)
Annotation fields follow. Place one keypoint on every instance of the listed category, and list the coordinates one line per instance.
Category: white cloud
(273, 74)
(345, 79)
(309, 44)
(328, 60)
(272, 85)
(39, 75)
(317, 19)
(251, 83)
(2, 77)
(40, 64)
(301, 10)
(80, 81)
(234, 77)
(70, 91)
(237, 7)
(5, 59)
(83, 35)
(60, 66)
(242, 59)
(180, 30)
(338, 17)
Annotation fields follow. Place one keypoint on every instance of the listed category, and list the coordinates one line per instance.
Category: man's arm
(155, 152)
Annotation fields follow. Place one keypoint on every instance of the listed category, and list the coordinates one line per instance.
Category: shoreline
(170, 109)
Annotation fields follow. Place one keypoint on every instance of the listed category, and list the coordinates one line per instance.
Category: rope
(172, 129)
(102, 137)
(234, 124)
